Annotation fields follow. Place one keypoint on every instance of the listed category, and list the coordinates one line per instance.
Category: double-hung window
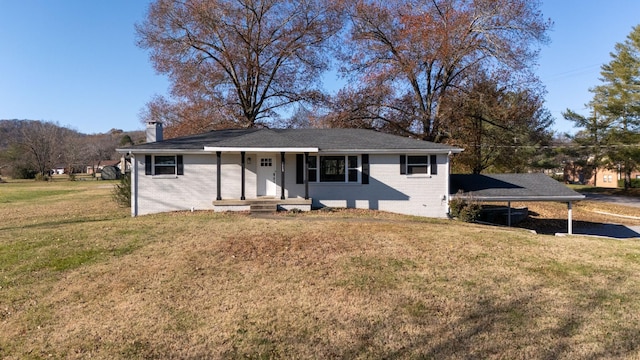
(163, 165)
(312, 166)
(418, 164)
(338, 168)
(352, 168)
(334, 169)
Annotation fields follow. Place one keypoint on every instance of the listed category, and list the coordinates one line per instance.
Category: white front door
(266, 176)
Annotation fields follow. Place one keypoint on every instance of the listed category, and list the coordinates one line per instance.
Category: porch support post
(282, 175)
(306, 176)
(134, 186)
(218, 175)
(509, 213)
(569, 219)
(242, 153)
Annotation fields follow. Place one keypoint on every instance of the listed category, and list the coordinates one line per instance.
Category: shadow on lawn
(516, 318)
(53, 224)
(553, 226)
(493, 327)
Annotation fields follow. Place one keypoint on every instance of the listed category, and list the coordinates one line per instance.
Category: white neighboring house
(58, 170)
(299, 168)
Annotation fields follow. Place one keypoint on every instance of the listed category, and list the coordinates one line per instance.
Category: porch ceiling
(261, 149)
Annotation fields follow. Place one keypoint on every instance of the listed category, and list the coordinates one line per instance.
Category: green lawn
(80, 278)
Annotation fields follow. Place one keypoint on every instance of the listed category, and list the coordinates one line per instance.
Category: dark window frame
(154, 167)
(347, 174)
(332, 168)
(419, 164)
(312, 167)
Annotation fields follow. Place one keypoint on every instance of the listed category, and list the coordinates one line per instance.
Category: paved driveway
(620, 200)
(615, 231)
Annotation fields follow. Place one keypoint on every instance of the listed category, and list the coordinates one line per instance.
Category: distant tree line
(31, 148)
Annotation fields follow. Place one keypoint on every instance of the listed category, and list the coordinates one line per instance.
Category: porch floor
(262, 200)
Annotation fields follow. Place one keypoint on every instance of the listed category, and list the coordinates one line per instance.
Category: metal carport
(514, 187)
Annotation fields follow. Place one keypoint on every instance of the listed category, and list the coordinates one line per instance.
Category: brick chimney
(154, 131)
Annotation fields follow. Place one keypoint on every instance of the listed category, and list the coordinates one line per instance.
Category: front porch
(265, 173)
(262, 204)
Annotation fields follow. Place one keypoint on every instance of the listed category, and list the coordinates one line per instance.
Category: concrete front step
(263, 207)
(254, 205)
(272, 207)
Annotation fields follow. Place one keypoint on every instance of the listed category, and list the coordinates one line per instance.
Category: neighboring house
(58, 170)
(603, 177)
(299, 168)
(102, 164)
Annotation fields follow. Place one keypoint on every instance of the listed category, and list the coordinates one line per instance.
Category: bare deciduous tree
(236, 61)
(43, 145)
(408, 55)
(97, 148)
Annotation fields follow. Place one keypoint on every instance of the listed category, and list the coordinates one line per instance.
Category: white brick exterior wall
(422, 195)
(177, 192)
(388, 190)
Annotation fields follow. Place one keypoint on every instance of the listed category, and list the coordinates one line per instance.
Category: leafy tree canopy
(612, 133)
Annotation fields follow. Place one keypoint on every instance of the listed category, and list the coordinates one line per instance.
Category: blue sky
(75, 62)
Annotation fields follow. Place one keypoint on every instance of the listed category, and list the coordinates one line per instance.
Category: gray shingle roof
(323, 139)
(512, 187)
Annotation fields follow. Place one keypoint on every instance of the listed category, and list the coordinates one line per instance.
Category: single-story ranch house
(229, 170)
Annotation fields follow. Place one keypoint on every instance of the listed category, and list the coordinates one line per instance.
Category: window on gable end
(418, 165)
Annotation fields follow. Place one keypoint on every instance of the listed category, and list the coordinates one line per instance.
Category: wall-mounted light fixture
(249, 160)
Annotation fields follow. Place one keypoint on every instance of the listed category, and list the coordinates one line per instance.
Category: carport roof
(511, 187)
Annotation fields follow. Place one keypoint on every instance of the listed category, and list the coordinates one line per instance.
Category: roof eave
(392, 151)
(160, 151)
(260, 149)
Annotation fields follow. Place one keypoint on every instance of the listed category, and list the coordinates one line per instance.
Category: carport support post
(509, 213)
(569, 219)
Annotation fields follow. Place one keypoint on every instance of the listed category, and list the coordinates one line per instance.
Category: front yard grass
(79, 278)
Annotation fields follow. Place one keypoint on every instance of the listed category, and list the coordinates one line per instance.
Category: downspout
(282, 175)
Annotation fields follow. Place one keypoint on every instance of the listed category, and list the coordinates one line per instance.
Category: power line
(552, 147)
